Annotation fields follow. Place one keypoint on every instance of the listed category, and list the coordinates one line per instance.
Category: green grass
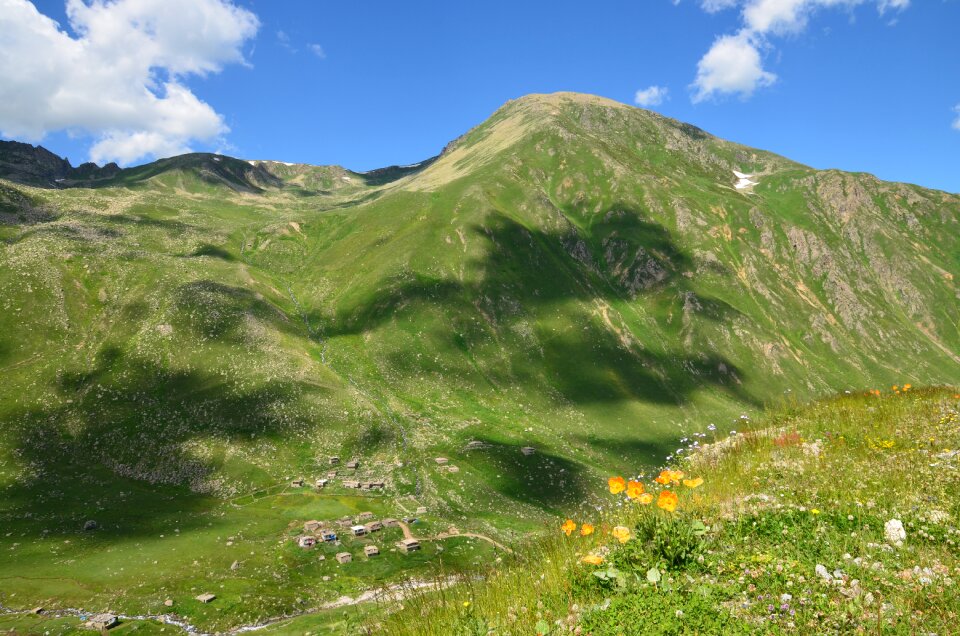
(580, 278)
(802, 489)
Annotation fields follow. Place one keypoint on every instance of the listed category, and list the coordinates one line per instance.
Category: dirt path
(407, 534)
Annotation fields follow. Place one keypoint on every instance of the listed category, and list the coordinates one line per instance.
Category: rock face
(90, 525)
(37, 166)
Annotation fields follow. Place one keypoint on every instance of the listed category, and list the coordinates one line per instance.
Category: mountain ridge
(179, 348)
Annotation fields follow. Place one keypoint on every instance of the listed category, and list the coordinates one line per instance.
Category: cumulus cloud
(650, 96)
(734, 64)
(317, 50)
(119, 77)
(956, 122)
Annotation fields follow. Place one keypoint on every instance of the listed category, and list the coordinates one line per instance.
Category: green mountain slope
(574, 275)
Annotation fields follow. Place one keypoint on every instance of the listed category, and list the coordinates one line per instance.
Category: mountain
(35, 165)
(575, 275)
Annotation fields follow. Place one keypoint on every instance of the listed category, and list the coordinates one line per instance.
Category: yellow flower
(621, 534)
(634, 489)
(568, 527)
(646, 498)
(814, 511)
(669, 477)
(693, 483)
(592, 559)
(907, 387)
(894, 387)
(466, 603)
(667, 500)
(617, 485)
(586, 529)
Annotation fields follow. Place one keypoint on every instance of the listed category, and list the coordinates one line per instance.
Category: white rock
(894, 532)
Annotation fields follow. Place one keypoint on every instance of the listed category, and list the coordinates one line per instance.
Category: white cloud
(651, 96)
(732, 65)
(713, 6)
(119, 79)
(956, 122)
(317, 50)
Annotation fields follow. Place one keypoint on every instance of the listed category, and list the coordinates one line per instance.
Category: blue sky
(862, 85)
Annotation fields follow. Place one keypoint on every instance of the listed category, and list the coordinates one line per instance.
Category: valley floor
(837, 517)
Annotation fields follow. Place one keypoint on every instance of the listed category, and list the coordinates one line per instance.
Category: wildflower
(646, 498)
(586, 529)
(568, 527)
(894, 387)
(617, 485)
(668, 477)
(634, 489)
(466, 603)
(907, 387)
(592, 559)
(621, 534)
(693, 483)
(814, 511)
(667, 500)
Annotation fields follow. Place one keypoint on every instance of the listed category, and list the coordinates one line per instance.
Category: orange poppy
(693, 483)
(621, 534)
(668, 477)
(568, 527)
(667, 500)
(617, 485)
(634, 489)
(586, 529)
(646, 498)
(592, 559)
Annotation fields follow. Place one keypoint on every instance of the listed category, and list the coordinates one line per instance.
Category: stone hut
(358, 531)
(365, 515)
(344, 557)
(408, 545)
(371, 550)
(206, 597)
(373, 526)
(297, 483)
(306, 542)
(353, 464)
(390, 522)
(328, 535)
(101, 621)
(334, 460)
(311, 526)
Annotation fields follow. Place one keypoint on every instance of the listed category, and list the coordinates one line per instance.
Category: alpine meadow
(222, 375)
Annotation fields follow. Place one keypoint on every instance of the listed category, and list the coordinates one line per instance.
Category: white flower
(823, 573)
(893, 531)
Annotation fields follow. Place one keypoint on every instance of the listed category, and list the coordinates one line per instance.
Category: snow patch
(743, 180)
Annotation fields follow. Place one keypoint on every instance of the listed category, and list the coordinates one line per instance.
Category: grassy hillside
(574, 275)
(836, 518)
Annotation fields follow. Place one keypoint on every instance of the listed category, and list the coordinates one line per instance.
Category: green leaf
(542, 627)
(698, 528)
(653, 575)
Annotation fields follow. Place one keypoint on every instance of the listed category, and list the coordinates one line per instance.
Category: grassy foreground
(838, 517)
